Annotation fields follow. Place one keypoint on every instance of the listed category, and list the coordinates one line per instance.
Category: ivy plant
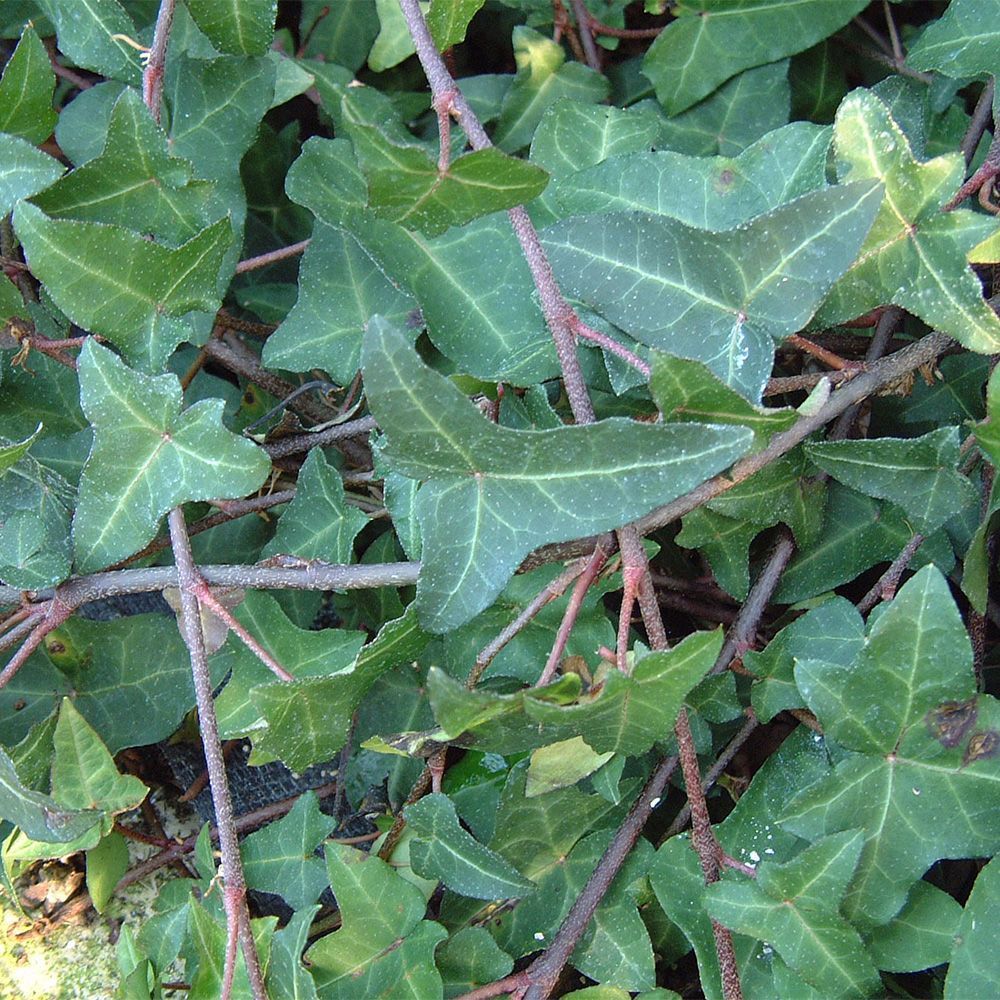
(521, 476)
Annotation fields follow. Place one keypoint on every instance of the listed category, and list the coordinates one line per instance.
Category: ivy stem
(152, 75)
(558, 314)
(589, 574)
(231, 868)
(583, 27)
(271, 257)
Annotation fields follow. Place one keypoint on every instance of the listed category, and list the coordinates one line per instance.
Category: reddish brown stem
(152, 76)
(271, 257)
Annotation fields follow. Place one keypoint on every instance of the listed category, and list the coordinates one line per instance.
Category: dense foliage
(492, 532)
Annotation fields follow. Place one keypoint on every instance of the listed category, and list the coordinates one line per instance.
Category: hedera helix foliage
(686, 304)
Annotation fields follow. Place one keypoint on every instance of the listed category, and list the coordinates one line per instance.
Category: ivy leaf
(919, 474)
(280, 858)
(471, 958)
(688, 391)
(744, 109)
(443, 850)
(84, 775)
(472, 288)
(304, 652)
(720, 298)
(710, 40)
(494, 494)
(285, 971)
(24, 170)
(134, 178)
(242, 27)
(340, 288)
(39, 816)
(717, 192)
(959, 43)
(414, 193)
(988, 430)
(325, 178)
(378, 950)
(449, 19)
(86, 34)
(974, 970)
(793, 907)
(26, 91)
(308, 720)
(920, 787)
(128, 698)
(543, 77)
(318, 523)
(35, 506)
(921, 935)
(148, 457)
(79, 264)
(915, 254)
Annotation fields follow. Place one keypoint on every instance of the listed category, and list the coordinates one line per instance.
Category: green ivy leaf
(241, 27)
(960, 43)
(688, 391)
(24, 171)
(720, 298)
(718, 192)
(471, 958)
(494, 494)
(743, 110)
(135, 181)
(443, 850)
(974, 970)
(921, 935)
(915, 254)
(793, 907)
(318, 523)
(472, 285)
(26, 91)
(35, 506)
(340, 288)
(726, 545)
(326, 179)
(84, 775)
(710, 40)
(106, 864)
(303, 652)
(86, 34)
(280, 858)
(285, 971)
(79, 263)
(449, 19)
(308, 720)
(919, 474)
(911, 765)
(988, 430)
(128, 698)
(148, 457)
(543, 77)
(561, 764)
(206, 949)
(378, 950)
(39, 816)
(414, 193)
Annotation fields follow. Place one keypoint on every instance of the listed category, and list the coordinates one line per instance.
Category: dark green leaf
(712, 39)
(340, 288)
(26, 91)
(135, 182)
(494, 494)
(919, 474)
(706, 192)
(86, 34)
(280, 858)
(919, 791)
(242, 27)
(448, 20)
(325, 178)
(24, 171)
(80, 265)
(378, 950)
(318, 523)
(974, 969)
(962, 42)
(921, 935)
(720, 298)
(148, 457)
(471, 958)
(443, 850)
